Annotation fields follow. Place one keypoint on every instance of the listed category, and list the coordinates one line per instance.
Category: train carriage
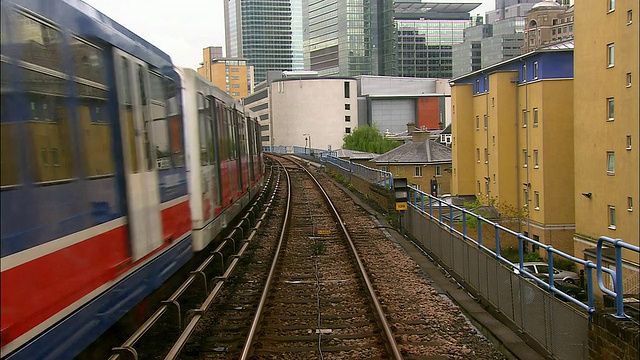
(116, 167)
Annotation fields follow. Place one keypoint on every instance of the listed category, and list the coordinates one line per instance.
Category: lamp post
(308, 136)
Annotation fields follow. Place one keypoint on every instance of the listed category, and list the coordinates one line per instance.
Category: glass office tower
(267, 32)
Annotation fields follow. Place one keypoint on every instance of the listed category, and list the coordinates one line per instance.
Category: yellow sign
(401, 206)
(324, 232)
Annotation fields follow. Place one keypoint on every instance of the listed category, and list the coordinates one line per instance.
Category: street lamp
(308, 136)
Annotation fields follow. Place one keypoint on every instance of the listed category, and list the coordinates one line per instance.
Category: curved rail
(263, 298)
(380, 313)
(128, 347)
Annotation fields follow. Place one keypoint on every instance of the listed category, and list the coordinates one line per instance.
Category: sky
(183, 28)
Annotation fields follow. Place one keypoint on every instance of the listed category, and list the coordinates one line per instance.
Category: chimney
(410, 128)
(420, 136)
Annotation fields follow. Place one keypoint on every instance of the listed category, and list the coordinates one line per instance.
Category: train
(117, 168)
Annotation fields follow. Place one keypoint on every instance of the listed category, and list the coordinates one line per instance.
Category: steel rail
(263, 299)
(128, 346)
(378, 308)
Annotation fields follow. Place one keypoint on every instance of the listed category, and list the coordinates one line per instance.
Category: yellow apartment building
(512, 144)
(232, 75)
(606, 127)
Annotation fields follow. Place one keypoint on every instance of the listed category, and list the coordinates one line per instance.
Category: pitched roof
(424, 152)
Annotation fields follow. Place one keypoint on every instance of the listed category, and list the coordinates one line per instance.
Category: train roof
(85, 21)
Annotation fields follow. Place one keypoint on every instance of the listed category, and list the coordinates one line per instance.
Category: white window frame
(611, 55)
(611, 163)
(628, 143)
(611, 109)
(535, 117)
(525, 158)
(417, 171)
(629, 204)
(611, 5)
(478, 155)
(629, 80)
(612, 217)
(536, 159)
(525, 118)
(438, 170)
(535, 70)
(536, 200)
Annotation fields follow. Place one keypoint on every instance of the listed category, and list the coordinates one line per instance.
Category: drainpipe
(518, 199)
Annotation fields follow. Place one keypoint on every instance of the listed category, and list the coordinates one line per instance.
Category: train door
(143, 198)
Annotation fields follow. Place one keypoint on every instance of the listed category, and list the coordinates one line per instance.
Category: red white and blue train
(116, 168)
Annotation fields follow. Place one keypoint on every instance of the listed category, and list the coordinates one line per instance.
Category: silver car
(543, 268)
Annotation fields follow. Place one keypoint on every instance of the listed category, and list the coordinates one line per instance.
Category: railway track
(301, 293)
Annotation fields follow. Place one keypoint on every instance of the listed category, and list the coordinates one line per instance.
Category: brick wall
(611, 338)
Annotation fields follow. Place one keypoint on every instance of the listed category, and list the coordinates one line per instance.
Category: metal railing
(457, 220)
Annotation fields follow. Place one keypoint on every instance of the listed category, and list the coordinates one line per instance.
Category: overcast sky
(183, 28)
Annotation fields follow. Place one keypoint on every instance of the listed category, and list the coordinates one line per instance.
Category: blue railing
(374, 176)
(449, 215)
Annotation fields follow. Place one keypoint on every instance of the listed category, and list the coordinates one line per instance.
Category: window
(536, 200)
(347, 106)
(478, 182)
(629, 17)
(347, 118)
(536, 163)
(611, 163)
(477, 122)
(630, 203)
(525, 194)
(486, 122)
(525, 119)
(524, 73)
(486, 156)
(438, 170)
(628, 79)
(235, 86)
(610, 55)
(347, 90)
(610, 109)
(611, 5)
(628, 142)
(235, 69)
(347, 130)
(612, 217)
(417, 171)
(477, 85)
(535, 117)
(535, 69)
(478, 155)
(525, 158)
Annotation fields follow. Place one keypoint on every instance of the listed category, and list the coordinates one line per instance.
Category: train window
(145, 117)
(204, 134)
(9, 160)
(88, 61)
(209, 129)
(48, 124)
(174, 117)
(96, 132)
(40, 43)
(222, 131)
(160, 130)
(127, 109)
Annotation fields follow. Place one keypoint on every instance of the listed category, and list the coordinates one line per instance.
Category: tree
(366, 138)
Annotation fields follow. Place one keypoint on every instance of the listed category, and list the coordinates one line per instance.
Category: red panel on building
(428, 113)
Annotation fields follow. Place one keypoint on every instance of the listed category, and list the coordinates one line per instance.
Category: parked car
(570, 289)
(543, 268)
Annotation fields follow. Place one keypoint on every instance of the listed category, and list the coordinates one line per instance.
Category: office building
(266, 32)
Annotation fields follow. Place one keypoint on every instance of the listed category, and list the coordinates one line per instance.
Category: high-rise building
(338, 40)
(266, 32)
(232, 75)
(467, 55)
(606, 128)
(426, 34)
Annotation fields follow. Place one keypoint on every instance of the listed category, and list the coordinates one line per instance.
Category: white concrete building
(312, 112)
